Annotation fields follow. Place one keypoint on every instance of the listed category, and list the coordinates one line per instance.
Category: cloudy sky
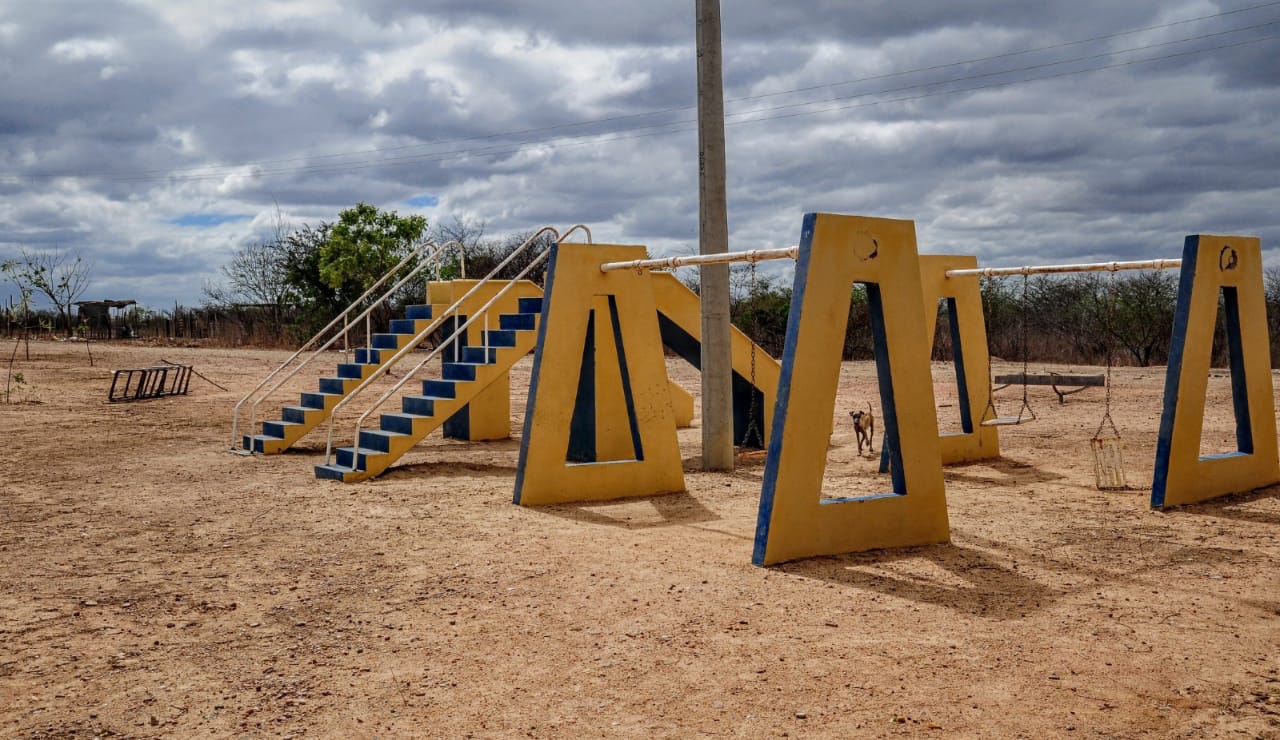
(157, 137)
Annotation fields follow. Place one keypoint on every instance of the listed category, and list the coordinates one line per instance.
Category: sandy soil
(153, 585)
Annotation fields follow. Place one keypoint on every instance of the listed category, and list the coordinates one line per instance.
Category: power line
(792, 91)
(686, 125)
(221, 171)
(1044, 65)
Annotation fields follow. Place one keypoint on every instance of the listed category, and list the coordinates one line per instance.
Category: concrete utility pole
(713, 237)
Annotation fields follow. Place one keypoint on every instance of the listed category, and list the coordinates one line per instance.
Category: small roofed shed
(97, 315)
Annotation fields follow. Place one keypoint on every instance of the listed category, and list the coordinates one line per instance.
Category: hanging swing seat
(1007, 421)
(1062, 384)
(1025, 414)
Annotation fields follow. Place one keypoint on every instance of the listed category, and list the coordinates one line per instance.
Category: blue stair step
(404, 326)
(418, 405)
(276, 428)
(295, 414)
(458, 371)
(417, 311)
(255, 442)
(439, 389)
(478, 355)
(518, 321)
(400, 423)
(499, 338)
(332, 472)
(530, 305)
(378, 439)
(365, 356)
(350, 370)
(315, 400)
(353, 459)
(386, 341)
(333, 386)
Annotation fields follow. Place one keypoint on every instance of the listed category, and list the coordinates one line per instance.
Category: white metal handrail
(753, 255)
(576, 227)
(1158, 264)
(344, 317)
(435, 324)
(454, 338)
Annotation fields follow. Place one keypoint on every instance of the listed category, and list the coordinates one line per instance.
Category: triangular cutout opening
(854, 458)
(952, 395)
(1226, 429)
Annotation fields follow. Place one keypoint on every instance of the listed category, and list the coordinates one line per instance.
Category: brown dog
(864, 423)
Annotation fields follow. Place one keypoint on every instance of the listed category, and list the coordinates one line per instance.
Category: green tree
(364, 245)
(762, 314)
(300, 259)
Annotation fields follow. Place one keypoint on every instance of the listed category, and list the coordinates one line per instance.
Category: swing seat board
(1058, 381)
(1005, 421)
(1052, 379)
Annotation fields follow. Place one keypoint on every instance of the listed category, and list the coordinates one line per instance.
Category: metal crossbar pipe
(1160, 264)
(754, 255)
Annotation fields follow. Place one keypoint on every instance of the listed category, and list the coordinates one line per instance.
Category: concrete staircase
(460, 382)
(315, 408)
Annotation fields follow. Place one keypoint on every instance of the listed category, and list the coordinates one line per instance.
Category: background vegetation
(281, 291)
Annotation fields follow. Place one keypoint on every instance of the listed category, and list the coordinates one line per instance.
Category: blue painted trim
(627, 392)
(769, 487)
(888, 404)
(333, 386)
(1224, 456)
(1239, 386)
(957, 357)
(884, 455)
(458, 426)
(1173, 375)
(675, 338)
(532, 403)
(582, 425)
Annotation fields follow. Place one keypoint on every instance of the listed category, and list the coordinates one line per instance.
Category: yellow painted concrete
(486, 377)
(795, 522)
(1191, 478)
(489, 413)
(545, 477)
(982, 443)
(681, 404)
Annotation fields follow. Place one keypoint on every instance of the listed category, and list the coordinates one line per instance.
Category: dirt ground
(153, 585)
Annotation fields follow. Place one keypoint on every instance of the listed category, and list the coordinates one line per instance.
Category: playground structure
(278, 436)
(795, 520)
(584, 442)
(481, 328)
(601, 415)
(478, 372)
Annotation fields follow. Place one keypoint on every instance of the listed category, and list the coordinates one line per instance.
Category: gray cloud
(117, 120)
